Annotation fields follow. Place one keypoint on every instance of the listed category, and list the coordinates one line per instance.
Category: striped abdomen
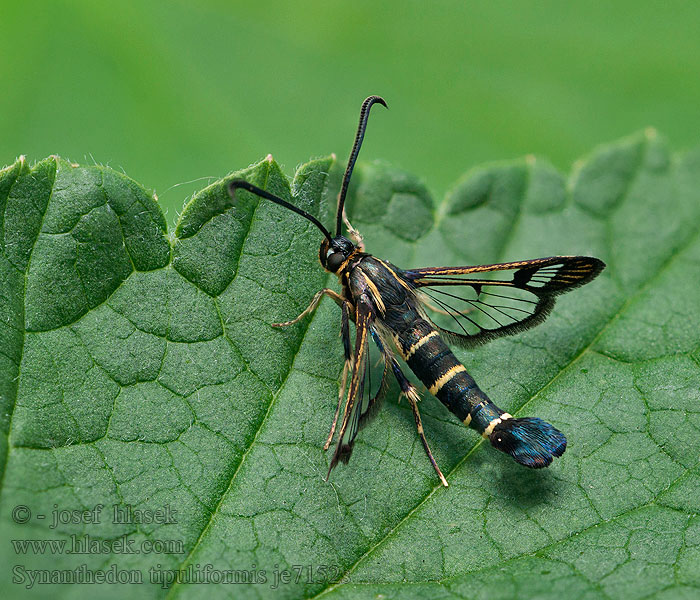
(445, 377)
(530, 441)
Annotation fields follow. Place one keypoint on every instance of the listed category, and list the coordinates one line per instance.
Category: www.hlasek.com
(86, 544)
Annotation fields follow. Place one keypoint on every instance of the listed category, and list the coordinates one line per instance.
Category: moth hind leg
(411, 393)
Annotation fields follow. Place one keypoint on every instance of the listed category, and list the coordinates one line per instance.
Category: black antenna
(240, 183)
(364, 115)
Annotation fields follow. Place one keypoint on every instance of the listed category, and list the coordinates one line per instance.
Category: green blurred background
(175, 91)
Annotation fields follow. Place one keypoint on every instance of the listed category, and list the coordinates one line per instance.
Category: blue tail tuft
(530, 441)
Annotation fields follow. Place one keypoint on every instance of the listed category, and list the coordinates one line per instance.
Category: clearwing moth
(416, 312)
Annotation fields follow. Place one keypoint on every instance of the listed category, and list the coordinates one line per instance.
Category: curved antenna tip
(375, 100)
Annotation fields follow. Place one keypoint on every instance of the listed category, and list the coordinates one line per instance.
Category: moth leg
(409, 390)
(339, 300)
(374, 402)
(363, 318)
(421, 433)
(345, 333)
(341, 394)
(355, 235)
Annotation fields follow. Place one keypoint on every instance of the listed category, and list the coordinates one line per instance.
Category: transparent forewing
(475, 304)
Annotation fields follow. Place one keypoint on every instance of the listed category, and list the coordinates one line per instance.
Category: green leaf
(139, 368)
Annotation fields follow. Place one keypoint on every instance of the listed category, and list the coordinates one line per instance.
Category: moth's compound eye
(334, 260)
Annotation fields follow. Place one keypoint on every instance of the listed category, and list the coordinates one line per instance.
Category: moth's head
(335, 252)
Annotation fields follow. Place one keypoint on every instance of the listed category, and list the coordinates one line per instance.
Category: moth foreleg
(339, 300)
(409, 390)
